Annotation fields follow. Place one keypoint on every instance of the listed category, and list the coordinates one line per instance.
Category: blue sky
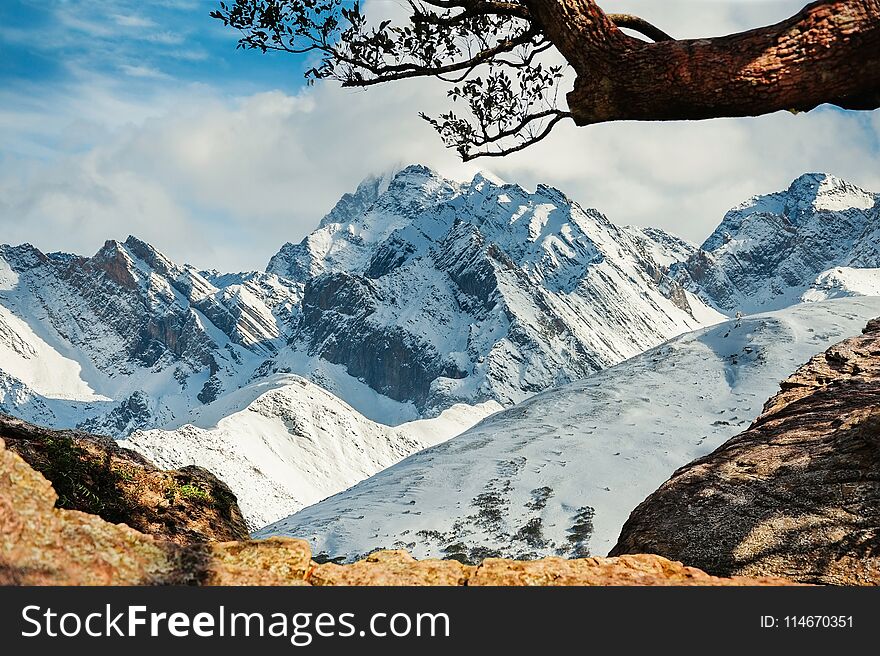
(140, 117)
(135, 50)
(51, 41)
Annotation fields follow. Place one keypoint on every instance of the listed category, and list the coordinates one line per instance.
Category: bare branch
(400, 72)
(639, 25)
(523, 144)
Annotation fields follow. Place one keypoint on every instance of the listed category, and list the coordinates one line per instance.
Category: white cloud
(143, 71)
(132, 20)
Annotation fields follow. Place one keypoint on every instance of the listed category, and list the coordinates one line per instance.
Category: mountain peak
(482, 176)
(22, 257)
(148, 254)
(416, 170)
(116, 263)
(133, 242)
(416, 177)
(824, 192)
(809, 180)
(827, 192)
(819, 222)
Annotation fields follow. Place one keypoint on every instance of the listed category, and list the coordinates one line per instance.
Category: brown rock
(392, 568)
(94, 475)
(797, 495)
(274, 561)
(639, 569)
(41, 544)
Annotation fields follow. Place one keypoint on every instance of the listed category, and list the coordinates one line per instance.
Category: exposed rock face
(94, 475)
(797, 495)
(41, 544)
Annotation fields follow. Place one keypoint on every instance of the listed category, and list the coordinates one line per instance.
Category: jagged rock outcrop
(797, 495)
(41, 544)
(92, 474)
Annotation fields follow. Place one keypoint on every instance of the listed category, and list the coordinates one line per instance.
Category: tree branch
(639, 25)
(405, 71)
(829, 52)
(529, 141)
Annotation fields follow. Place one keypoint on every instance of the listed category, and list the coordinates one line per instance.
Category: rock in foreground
(41, 544)
(94, 475)
(797, 495)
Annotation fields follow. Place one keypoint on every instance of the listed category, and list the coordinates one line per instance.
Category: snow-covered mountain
(418, 304)
(770, 250)
(560, 472)
(414, 294)
(436, 292)
(295, 444)
(127, 339)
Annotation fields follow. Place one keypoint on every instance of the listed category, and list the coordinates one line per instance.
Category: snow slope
(844, 281)
(560, 473)
(295, 444)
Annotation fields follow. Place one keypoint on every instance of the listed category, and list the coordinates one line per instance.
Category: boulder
(797, 495)
(93, 474)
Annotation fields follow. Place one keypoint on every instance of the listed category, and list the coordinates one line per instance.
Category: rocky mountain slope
(770, 250)
(296, 444)
(127, 339)
(484, 290)
(796, 495)
(92, 474)
(560, 473)
(42, 544)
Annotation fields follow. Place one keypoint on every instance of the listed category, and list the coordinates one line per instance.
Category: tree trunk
(827, 53)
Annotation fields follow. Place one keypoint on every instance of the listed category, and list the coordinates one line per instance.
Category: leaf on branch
(512, 103)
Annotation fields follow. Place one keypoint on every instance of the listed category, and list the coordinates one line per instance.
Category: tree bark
(827, 53)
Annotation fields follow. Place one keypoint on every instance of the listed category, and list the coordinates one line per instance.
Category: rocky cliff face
(42, 544)
(768, 251)
(797, 495)
(92, 474)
